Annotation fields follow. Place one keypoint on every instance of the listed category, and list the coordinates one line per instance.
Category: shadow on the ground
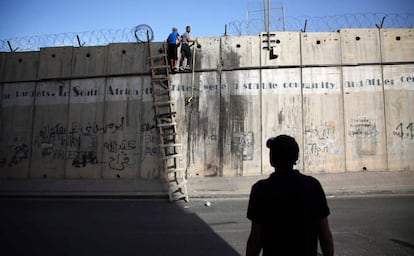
(104, 227)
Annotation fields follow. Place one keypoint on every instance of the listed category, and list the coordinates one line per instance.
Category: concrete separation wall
(87, 112)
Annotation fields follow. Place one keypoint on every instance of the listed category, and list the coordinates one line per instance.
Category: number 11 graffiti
(405, 133)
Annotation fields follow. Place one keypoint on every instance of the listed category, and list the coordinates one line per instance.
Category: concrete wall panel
(86, 128)
(281, 109)
(323, 120)
(397, 45)
(16, 122)
(208, 56)
(364, 119)
(201, 144)
(55, 62)
(89, 61)
(121, 147)
(21, 66)
(242, 130)
(323, 48)
(399, 112)
(241, 51)
(127, 58)
(151, 165)
(185, 101)
(360, 46)
(285, 47)
(50, 130)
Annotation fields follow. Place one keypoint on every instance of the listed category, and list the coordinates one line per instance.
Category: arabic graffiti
(20, 152)
(119, 153)
(80, 142)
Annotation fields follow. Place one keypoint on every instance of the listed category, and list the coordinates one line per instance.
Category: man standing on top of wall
(185, 49)
(173, 40)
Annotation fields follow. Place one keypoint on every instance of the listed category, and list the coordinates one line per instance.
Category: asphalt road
(361, 226)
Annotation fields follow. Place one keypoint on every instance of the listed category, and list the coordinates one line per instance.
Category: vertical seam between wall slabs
(261, 106)
(383, 100)
(301, 102)
(103, 123)
(343, 103)
(32, 121)
(68, 115)
(220, 132)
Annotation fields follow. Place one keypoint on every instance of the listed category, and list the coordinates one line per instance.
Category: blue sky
(20, 18)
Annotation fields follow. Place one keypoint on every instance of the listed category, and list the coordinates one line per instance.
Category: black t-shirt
(289, 207)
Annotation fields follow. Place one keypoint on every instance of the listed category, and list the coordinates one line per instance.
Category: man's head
(174, 29)
(188, 29)
(284, 151)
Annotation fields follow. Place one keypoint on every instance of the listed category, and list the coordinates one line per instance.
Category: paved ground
(358, 183)
(368, 225)
(371, 215)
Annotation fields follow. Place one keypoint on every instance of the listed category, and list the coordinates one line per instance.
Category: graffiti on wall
(320, 140)
(404, 131)
(151, 144)
(79, 142)
(365, 133)
(243, 145)
(18, 152)
(119, 153)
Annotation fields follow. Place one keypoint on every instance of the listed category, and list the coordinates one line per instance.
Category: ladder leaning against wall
(165, 117)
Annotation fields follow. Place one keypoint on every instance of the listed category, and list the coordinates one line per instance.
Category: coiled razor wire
(255, 26)
(141, 34)
(321, 24)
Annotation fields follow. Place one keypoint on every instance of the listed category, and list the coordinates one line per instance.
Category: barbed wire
(88, 38)
(253, 26)
(257, 25)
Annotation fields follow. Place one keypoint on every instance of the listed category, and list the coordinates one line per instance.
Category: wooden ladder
(164, 108)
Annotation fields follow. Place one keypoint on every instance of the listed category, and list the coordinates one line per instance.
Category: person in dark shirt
(185, 49)
(288, 210)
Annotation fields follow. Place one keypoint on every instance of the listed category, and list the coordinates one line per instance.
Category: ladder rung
(170, 145)
(170, 167)
(168, 134)
(170, 114)
(162, 98)
(164, 129)
(170, 128)
(169, 141)
(168, 171)
(165, 119)
(158, 77)
(162, 92)
(172, 156)
(163, 83)
(166, 124)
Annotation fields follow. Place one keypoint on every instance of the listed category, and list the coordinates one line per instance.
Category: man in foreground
(288, 210)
